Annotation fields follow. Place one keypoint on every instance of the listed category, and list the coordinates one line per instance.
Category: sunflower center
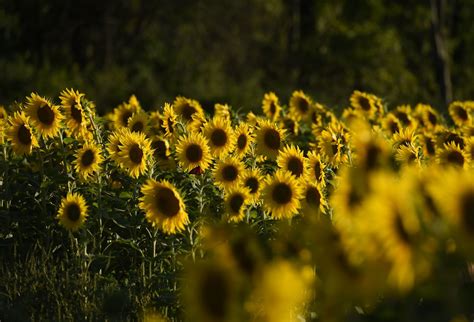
(453, 137)
(125, 116)
(170, 125)
(461, 113)
(455, 157)
(364, 102)
(401, 230)
(252, 184)
(136, 154)
(138, 127)
(87, 158)
(403, 117)
(242, 141)
(313, 197)
(24, 135)
(334, 148)
(166, 202)
(430, 147)
(302, 104)
(188, 112)
(215, 291)
(46, 115)
(317, 170)
(295, 166)
(271, 139)
(76, 113)
(394, 127)
(236, 202)
(73, 212)
(373, 152)
(272, 108)
(282, 193)
(467, 212)
(160, 149)
(432, 118)
(194, 153)
(229, 173)
(219, 137)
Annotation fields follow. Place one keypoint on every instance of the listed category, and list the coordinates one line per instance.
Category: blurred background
(405, 51)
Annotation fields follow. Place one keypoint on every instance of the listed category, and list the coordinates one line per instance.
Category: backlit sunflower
(163, 206)
(452, 155)
(138, 122)
(300, 105)
(281, 195)
(88, 160)
(235, 201)
(20, 134)
(363, 102)
(270, 106)
(135, 150)
(44, 116)
(313, 202)
(76, 119)
(252, 179)
(220, 136)
(228, 172)
(243, 139)
(460, 113)
(73, 212)
(185, 108)
(193, 152)
(316, 169)
(169, 121)
(269, 138)
(291, 159)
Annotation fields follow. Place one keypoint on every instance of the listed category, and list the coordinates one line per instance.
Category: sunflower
(115, 141)
(405, 137)
(300, 105)
(220, 136)
(404, 114)
(460, 113)
(161, 152)
(20, 134)
(124, 112)
(3, 113)
(228, 172)
(316, 169)
(429, 118)
(135, 150)
(333, 144)
(193, 152)
(445, 136)
(290, 125)
(452, 155)
(155, 121)
(163, 206)
(235, 201)
(408, 155)
(76, 120)
(291, 158)
(281, 195)
(73, 211)
(222, 110)
(88, 160)
(313, 202)
(363, 102)
(169, 120)
(243, 139)
(138, 122)
(270, 106)
(185, 108)
(428, 143)
(45, 116)
(269, 139)
(391, 124)
(371, 150)
(252, 179)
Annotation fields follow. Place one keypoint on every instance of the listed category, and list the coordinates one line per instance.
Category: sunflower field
(294, 213)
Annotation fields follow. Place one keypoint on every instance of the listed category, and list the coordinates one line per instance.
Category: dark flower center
(160, 149)
(166, 202)
(432, 118)
(76, 113)
(313, 197)
(73, 212)
(430, 147)
(242, 141)
(467, 211)
(219, 137)
(194, 153)
(295, 166)
(461, 113)
(282, 193)
(125, 116)
(46, 115)
(364, 103)
(455, 157)
(236, 202)
(136, 154)
(138, 126)
(87, 158)
(229, 173)
(252, 184)
(271, 138)
(373, 153)
(401, 230)
(272, 108)
(24, 135)
(302, 104)
(188, 111)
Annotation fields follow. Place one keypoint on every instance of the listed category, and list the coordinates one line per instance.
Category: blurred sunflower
(185, 108)
(88, 160)
(222, 110)
(445, 136)
(162, 152)
(333, 144)
(460, 113)
(73, 211)
(252, 179)
(429, 118)
(236, 200)
(228, 172)
(193, 152)
(313, 202)
(243, 139)
(270, 106)
(452, 155)
(404, 137)
(391, 124)
(20, 134)
(281, 195)
(169, 120)
(220, 136)
(138, 122)
(134, 152)
(370, 149)
(163, 206)
(290, 125)
(408, 155)
(469, 147)
(404, 114)
(3, 113)
(76, 119)
(316, 169)
(291, 159)
(269, 138)
(363, 102)
(155, 121)
(45, 116)
(428, 144)
(300, 105)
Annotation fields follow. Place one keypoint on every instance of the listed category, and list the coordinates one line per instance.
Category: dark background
(234, 51)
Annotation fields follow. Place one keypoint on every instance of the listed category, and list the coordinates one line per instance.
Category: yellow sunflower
(243, 139)
(76, 119)
(135, 151)
(123, 113)
(333, 144)
(220, 136)
(45, 116)
(316, 169)
(3, 113)
(452, 155)
(162, 152)
(193, 152)
(370, 149)
(281, 195)
(222, 110)
(185, 108)
(460, 113)
(405, 137)
(236, 200)
(391, 124)
(114, 144)
(73, 212)
(169, 121)
(300, 105)
(252, 179)
(408, 155)
(444, 136)
(163, 206)
(363, 102)
(428, 143)
(270, 106)
(156, 123)
(269, 138)
(313, 202)
(138, 122)
(290, 125)
(20, 134)
(291, 159)
(404, 114)
(427, 116)
(228, 172)
(88, 160)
